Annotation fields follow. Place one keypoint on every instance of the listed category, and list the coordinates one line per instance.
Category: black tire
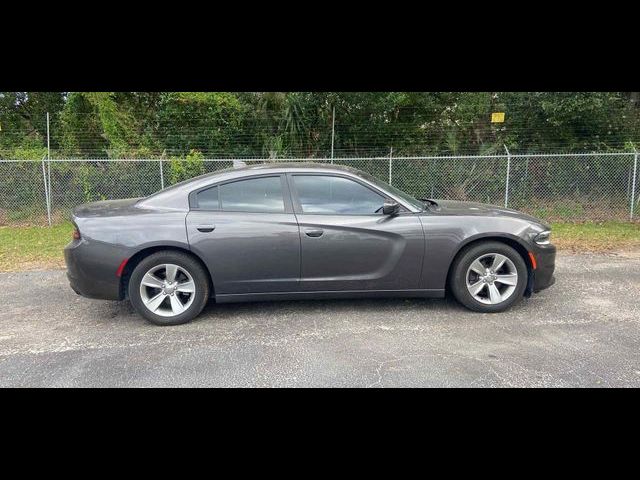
(462, 263)
(186, 262)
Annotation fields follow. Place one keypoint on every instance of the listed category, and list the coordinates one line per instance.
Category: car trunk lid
(106, 208)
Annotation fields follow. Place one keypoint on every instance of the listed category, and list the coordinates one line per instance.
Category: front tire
(169, 288)
(488, 277)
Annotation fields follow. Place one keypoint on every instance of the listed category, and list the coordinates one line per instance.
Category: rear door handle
(314, 232)
(206, 228)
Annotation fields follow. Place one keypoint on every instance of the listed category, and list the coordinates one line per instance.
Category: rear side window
(208, 199)
(336, 195)
(261, 195)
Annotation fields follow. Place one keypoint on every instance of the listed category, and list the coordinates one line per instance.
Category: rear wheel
(169, 288)
(489, 277)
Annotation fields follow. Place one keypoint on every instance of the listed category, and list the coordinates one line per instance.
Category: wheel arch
(135, 259)
(517, 244)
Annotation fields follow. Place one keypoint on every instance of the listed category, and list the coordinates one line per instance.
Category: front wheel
(169, 288)
(488, 277)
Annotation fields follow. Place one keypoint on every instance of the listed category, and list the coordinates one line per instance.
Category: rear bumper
(546, 264)
(91, 273)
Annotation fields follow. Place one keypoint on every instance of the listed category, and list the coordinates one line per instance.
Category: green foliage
(28, 152)
(205, 121)
(277, 124)
(117, 125)
(183, 169)
(81, 129)
(23, 118)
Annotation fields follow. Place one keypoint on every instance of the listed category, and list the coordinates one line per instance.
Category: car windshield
(414, 202)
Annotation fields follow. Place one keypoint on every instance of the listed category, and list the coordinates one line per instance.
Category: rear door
(347, 243)
(247, 234)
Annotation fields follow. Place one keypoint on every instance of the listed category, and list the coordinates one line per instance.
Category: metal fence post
(333, 131)
(390, 163)
(633, 183)
(46, 190)
(506, 188)
(161, 176)
(49, 167)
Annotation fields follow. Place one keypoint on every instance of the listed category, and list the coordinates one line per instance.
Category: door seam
(424, 252)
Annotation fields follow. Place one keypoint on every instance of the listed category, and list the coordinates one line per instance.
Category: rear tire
(488, 277)
(169, 288)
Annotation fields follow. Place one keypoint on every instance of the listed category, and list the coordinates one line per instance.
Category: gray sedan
(301, 231)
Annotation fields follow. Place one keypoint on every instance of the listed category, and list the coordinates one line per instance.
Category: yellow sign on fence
(497, 117)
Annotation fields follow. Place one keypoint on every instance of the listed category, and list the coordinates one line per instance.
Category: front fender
(446, 236)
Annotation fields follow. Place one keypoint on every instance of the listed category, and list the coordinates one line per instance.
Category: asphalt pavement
(582, 332)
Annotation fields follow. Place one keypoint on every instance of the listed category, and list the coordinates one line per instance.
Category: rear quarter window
(208, 199)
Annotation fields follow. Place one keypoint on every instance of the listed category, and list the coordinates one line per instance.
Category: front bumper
(546, 264)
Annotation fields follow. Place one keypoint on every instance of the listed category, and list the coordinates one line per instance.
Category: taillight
(76, 233)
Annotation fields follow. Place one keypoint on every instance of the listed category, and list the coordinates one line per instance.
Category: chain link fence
(555, 187)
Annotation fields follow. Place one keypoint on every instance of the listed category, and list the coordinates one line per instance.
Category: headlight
(543, 238)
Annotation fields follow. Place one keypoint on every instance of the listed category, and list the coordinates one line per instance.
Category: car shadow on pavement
(386, 308)
(333, 307)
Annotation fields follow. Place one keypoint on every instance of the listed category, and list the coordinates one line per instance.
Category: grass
(596, 236)
(30, 248)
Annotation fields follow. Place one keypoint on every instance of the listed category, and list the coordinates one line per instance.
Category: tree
(286, 124)
(209, 122)
(23, 118)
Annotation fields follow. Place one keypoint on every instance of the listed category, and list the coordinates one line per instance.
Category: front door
(347, 243)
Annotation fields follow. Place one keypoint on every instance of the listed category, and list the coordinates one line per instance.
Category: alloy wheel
(167, 290)
(492, 278)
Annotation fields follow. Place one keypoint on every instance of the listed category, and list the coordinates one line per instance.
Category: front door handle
(206, 228)
(314, 232)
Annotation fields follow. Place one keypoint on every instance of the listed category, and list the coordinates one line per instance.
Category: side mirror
(390, 207)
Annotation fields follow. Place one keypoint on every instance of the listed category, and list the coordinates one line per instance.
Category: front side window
(260, 195)
(336, 195)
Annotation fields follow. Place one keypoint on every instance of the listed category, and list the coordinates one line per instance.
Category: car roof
(293, 166)
(275, 167)
(175, 195)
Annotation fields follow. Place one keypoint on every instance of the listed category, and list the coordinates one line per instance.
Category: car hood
(452, 207)
(107, 208)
